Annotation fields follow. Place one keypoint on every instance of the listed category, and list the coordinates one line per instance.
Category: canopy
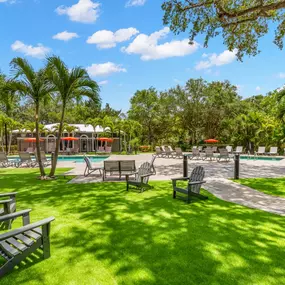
(211, 141)
(105, 139)
(32, 140)
(69, 139)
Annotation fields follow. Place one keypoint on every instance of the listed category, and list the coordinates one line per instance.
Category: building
(87, 140)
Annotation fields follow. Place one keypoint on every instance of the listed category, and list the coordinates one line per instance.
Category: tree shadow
(148, 238)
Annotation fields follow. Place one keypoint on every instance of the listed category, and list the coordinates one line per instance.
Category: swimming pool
(268, 158)
(71, 158)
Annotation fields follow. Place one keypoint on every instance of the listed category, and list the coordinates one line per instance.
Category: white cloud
(214, 59)
(38, 51)
(135, 3)
(257, 88)
(281, 75)
(85, 11)
(149, 49)
(65, 36)
(108, 39)
(104, 82)
(104, 69)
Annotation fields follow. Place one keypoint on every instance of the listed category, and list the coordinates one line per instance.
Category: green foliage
(241, 23)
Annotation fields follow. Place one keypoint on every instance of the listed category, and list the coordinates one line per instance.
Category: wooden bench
(118, 166)
(16, 245)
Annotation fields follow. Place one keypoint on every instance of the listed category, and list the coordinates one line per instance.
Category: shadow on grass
(106, 234)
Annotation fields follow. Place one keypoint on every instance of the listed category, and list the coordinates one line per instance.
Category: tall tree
(33, 84)
(70, 85)
(241, 22)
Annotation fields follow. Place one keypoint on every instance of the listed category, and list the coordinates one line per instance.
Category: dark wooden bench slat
(17, 244)
(32, 234)
(8, 249)
(27, 241)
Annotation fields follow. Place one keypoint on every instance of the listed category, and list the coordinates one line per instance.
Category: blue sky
(124, 46)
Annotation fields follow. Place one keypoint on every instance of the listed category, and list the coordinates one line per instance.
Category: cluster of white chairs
(168, 152)
(262, 151)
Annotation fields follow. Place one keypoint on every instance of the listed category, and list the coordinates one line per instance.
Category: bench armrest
(8, 194)
(197, 182)
(180, 178)
(146, 175)
(26, 228)
(14, 215)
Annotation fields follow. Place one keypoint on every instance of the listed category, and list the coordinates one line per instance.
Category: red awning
(69, 139)
(32, 140)
(105, 139)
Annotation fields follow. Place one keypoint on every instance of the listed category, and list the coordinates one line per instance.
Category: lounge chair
(178, 152)
(158, 152)
(273, 150)
(171, 149)
(127, 166)
(111, 166)
(214, 148)
(208, 154)
(108, 149)
(4, 162)
(101, 149)
(260, 151)
(30, 150)
(26, 160)
(46, 162)
(89, 168)
(168, 152)
(229, 148)
(200, 148)
(224, 154)
(195, 154)
(141, 178)
(18, 244)
(194, 184)
(239, 150)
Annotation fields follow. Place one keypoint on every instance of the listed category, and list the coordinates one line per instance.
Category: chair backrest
(108, 149)
(229, 148)
(163, 148)
(101, 149)
(43, 156)
(195, 151)
(128, 165)
(194, 147)
(239, 149)
(214, 148)
(88, 162)
(224, 152)
(261, 149)
(209, 152)
(178, 151)
(200, 148)
(112, 165)
(197, 174)
(167, 150)
(273, 149)
(144, 169)
(3, 157)
(25, 156)
(170, 148)
(30, 149)
(158, 150)
(152, 164)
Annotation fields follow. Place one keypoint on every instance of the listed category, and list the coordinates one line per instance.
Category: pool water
(81, 158)
(261, 158)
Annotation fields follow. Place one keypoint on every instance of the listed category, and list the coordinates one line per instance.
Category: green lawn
(270, 186)
(104, 235)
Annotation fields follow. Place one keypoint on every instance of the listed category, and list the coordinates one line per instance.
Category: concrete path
(233, 192)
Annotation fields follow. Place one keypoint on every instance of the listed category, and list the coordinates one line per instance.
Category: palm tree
(34, 85)
(70, 85)
(94, 123)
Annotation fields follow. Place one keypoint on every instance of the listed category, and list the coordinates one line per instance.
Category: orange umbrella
(105, 139)
(69, 139)
(32, 140)
(211, 141)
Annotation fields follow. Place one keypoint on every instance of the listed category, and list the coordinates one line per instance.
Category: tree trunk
(54, 161)
(2, 140)
(38, 149)
(10, 142)
(6, 138)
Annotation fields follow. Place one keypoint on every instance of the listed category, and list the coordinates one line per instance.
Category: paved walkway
(233, 192)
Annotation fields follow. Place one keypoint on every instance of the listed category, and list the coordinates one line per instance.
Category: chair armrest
(180, 178)
(5, 201)
(8, 194)
(25, 228)
(14, 215)
(146, 175)
(196, 182)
